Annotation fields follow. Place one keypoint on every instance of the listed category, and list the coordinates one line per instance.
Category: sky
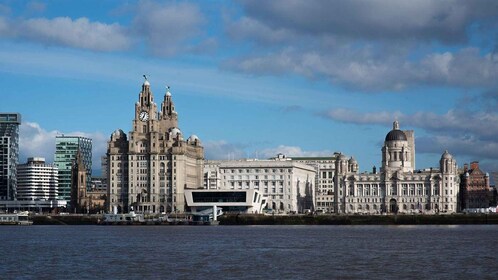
(255, 78)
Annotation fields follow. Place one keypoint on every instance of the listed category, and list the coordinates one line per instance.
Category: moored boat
(130, 218)
(21, 218)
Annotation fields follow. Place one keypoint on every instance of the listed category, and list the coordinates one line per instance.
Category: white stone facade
(397, 188)
(37, 180)
(288, 186)
(324, 181)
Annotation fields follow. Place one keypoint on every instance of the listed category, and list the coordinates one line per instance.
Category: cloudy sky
(255, 78)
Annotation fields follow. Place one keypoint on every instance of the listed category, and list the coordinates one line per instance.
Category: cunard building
(149, 170)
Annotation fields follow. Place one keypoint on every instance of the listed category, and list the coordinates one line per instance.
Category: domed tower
(168, 117)
(450, 182)
(341, 165)
(447, 163)
(397, 152)
(353, 165)
(194, 140)
(175, 134)
(341, 170)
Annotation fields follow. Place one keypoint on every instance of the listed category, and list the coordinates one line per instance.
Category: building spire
(146, 82)
(396, 125)
(168, 93)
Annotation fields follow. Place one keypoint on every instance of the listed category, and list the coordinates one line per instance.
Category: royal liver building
(398, 187)
(150, 169)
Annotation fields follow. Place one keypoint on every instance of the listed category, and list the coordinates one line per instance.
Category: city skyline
(254, 79)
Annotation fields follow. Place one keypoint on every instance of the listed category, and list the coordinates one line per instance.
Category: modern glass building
(66, 148)
(9, 154)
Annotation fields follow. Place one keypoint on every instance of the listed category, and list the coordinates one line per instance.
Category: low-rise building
(231, 201)
(288, 185)
(474, 188)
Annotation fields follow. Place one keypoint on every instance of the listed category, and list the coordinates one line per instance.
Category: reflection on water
(250, 252)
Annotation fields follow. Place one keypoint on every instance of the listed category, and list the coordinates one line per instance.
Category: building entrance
(393, 206)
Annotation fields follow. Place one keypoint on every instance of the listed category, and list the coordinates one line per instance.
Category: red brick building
(474, 187)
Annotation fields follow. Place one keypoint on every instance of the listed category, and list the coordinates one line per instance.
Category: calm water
(256, 252)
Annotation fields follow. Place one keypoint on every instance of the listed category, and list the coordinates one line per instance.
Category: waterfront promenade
(240, 219)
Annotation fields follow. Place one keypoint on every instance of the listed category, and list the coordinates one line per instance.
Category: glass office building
(9, 154)
(66, 148)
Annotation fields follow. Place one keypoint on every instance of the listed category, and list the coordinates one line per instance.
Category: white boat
(21, 218)
(124, 219)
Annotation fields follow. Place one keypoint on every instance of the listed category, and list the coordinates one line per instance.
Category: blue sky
(255, 78)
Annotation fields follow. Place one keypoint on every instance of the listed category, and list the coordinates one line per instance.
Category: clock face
(144, 116)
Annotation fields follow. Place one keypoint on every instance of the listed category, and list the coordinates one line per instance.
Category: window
(436, 190)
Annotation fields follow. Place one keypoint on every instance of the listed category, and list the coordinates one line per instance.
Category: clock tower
(157, 164)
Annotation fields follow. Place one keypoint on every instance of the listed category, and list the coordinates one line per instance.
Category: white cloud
(484, 124)
(469, 146)
(369, 70)
(166, 28)
(445, 21)
(464, 133)
(369, 45)
(34, 141)
(64, 31)
(292, 151)
(79, 33)
(246, 27)
(221, 149)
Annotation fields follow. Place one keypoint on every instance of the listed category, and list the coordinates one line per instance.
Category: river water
(249, 252)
